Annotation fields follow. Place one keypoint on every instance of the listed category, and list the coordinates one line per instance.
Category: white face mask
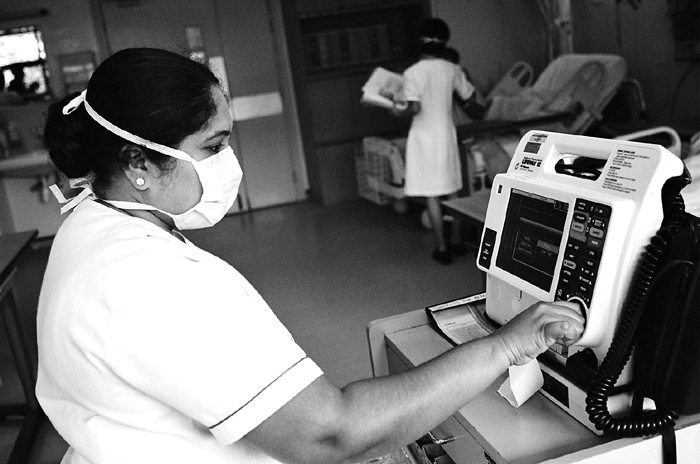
(219, 174)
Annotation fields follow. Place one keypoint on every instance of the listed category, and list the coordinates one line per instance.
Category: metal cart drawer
(459, 444)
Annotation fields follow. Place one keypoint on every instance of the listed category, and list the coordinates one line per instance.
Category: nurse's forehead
(221, 121)
(223, 118)
(219, 125)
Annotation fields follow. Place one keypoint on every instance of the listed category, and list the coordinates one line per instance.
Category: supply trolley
(379, 167)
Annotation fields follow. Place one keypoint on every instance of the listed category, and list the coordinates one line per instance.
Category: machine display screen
(532, 237)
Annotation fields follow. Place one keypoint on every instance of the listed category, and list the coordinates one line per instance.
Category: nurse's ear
(136, 167)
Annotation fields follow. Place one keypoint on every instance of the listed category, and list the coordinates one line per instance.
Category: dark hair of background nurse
(158, 95)
(437, 30)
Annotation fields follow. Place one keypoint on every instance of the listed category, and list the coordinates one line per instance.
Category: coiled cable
(654, 255)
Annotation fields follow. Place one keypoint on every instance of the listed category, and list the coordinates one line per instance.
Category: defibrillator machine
(568, 221)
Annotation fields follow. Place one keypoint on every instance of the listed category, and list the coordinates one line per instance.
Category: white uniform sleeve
(413, 88)
(200, 339)
(462, 86)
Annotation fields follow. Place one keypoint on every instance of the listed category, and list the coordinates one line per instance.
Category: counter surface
(538, 431)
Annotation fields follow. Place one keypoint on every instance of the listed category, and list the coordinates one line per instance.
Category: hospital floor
(327, 272)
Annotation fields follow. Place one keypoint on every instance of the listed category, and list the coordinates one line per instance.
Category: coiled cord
(647, 423)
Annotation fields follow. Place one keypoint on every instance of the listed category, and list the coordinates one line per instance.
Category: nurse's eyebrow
(221, 133)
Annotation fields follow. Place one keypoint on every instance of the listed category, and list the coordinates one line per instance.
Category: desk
(471, 209)
(11, 247)
(489, 430)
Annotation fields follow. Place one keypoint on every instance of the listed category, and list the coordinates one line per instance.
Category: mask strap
(132, 205)
(80, 182)
(81, 100)
(74, 103)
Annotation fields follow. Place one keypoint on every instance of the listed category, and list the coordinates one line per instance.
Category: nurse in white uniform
(432, 155)
(152, 350)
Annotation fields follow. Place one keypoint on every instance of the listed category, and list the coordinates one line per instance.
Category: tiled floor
(326, 271)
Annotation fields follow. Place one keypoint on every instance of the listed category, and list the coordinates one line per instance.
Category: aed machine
(568, 221)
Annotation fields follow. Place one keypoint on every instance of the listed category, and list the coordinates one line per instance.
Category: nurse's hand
(537, 328)
(405, 108)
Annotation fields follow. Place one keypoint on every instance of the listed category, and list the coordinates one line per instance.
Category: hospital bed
(580, 83)
(518, 77)
(569, 96)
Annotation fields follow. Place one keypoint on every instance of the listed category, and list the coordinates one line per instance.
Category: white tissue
(522, 382)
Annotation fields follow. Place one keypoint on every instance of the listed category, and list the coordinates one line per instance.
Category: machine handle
(594, 148)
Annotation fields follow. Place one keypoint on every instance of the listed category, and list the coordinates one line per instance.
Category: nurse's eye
(213, 149)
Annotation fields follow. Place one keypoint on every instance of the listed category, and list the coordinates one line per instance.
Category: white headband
(432, 40)
(80, 99)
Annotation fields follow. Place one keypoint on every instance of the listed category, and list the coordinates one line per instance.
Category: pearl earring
(140, 181)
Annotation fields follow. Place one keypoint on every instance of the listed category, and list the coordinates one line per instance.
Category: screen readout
(532, 237)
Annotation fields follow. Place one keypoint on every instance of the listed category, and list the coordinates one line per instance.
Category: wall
(491, 35)
(24, 203)
(646, 41)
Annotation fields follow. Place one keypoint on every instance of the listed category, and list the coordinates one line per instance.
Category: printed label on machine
(626, 173)
(529, 164)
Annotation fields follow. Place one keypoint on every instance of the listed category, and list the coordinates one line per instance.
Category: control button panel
(488, 243)
(584, 248)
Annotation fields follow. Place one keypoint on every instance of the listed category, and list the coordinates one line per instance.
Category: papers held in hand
(462, 320)
(383, 89)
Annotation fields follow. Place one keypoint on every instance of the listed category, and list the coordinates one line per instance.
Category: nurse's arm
(473, 109)
(369, 418)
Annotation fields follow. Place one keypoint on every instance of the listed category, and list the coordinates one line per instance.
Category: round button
(581, 304)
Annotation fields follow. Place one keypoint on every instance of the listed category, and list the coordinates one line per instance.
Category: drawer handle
(440, 441)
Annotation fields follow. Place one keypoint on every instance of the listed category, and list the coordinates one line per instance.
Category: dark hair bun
(63, 134)
(435, 28)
